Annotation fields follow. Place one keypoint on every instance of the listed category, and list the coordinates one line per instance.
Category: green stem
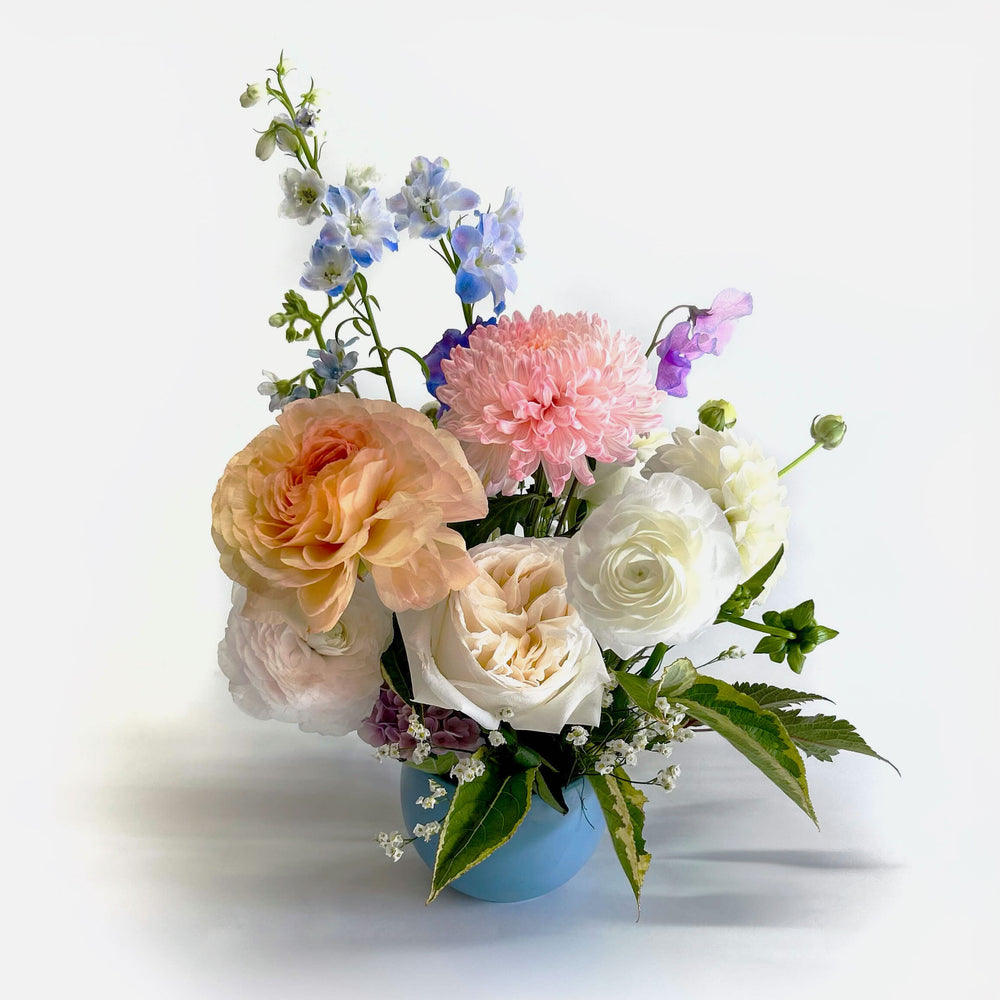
(757, 626)
(574, 482)
(382, 354)
(659, 327)
(282, 96)
(804, 455)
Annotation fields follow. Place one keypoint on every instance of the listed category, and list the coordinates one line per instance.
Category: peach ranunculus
(336, 486)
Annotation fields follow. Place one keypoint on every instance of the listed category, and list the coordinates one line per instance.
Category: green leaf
(436, 764)
(746, 593)
(824, 736)
(622, 804)
(654, 660)
(550, 794)
(413, 354)
(483, 816)
(505, 514)
(677, 678)
(771, 644)
(803, 615)
(796, 658)
(641, 691)
(757, 733)
(395, 668)
(768, 696)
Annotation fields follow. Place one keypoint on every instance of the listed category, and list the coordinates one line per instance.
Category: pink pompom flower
(547, 391)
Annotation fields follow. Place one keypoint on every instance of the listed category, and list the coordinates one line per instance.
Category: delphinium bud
(251, 95)
(265, 145)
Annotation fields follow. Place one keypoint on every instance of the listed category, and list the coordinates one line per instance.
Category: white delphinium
(468, 770)
(304, 190)
(360, 179)
(742, 482)
(427, 830)
(651, 565)
(496, 738)
(578, 736)
(429, 801)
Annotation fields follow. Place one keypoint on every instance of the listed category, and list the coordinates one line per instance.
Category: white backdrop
(839, 162)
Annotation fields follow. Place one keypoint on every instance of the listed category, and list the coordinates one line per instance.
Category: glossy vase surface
(547, 849)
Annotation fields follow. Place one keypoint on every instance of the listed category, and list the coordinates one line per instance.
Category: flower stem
(383, 355)
(659, 327)
(804, 455)
(574, 482)
(757, 626)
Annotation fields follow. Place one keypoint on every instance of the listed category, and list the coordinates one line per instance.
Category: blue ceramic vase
(547, 849)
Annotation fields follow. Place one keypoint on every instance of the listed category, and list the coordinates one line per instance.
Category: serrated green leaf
(824, 736)
(484, 814)
(755, 731)
(677, 678)
(550, 794)
(622, 804)
(436, 763)
(770, 697)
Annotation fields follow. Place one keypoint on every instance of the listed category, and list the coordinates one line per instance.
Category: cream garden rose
(326, 682)
(652, 565)
(508, 640)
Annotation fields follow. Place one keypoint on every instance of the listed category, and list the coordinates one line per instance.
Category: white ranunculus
(509, 640)
(610, 478)
(741, 481)
(325, 682)
(652, 565)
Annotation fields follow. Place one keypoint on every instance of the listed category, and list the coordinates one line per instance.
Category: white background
(840, 162)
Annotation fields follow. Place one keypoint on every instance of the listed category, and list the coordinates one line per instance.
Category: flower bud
(284, 66)
(251, 95)
(718, 414)
(286, 137)
(265, 145)
(277, 319)
(828, 431)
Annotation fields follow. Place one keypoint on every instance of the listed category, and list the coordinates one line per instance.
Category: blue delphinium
(335, 364)
(443, 348)
(486, 253)
(329, 269)
(359, 222)
(427, 199)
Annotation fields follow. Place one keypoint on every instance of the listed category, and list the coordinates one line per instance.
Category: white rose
(326, 682)
(741, 481)
(509, 640)
(652, 565)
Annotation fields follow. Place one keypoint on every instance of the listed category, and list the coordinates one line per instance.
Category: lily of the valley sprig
(488, 589)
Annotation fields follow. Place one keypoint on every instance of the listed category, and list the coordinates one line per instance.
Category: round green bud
(277, 319)
(718, 414)
(251, 95)
(828, 431)
(265, 145)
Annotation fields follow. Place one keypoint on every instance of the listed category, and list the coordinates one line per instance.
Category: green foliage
(395, 668)
(757, 733)
(622, 804)
(483, 816)
(550, 793)
(677, 678)
(748, 592)
(504, 515)
(824, 736)
(807, 635)
(773, 698)
(439, 764)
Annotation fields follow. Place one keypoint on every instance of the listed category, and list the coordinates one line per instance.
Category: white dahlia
(741, 481)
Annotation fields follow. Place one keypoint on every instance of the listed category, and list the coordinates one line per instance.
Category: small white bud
(251, 95)
(265, 146)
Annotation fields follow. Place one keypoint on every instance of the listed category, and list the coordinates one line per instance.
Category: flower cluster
(486, 590)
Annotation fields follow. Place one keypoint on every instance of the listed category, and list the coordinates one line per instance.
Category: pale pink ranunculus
(325, 682)
(338, 486)
(547, 390)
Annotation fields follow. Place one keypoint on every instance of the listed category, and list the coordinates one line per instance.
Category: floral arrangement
(487, 590)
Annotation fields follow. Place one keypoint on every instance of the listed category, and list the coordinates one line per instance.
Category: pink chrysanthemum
(547, 390)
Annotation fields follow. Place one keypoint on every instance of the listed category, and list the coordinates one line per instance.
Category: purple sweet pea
(707, 331)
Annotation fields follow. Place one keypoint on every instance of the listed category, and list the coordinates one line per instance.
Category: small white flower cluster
(427, 830)
(733, 653)
(467, 770)
(671, 722)
(667, 778)
(578, 736)
(496, 738)
(430, 801)
(388, 751)
(619, 753)
(609, 693)
(392, 844)
(506, 713)
(421, 734)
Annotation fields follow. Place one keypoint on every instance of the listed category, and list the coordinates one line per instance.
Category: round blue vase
(547, 849)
